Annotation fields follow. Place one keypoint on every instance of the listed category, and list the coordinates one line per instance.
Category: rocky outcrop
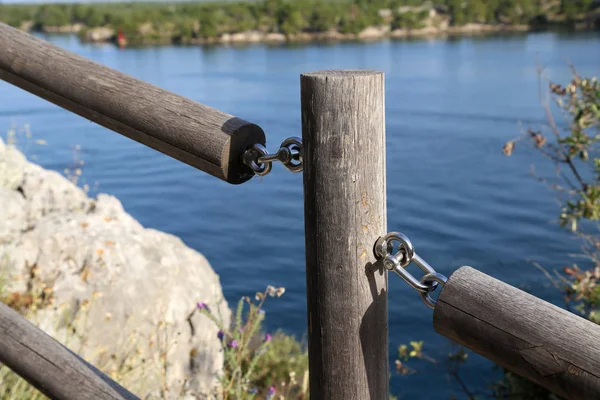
(275, 37)
(75, 28)
(100, 34)
(243, 37)
(374, 32)
(468, 29)
(26, 26)
(137, 287)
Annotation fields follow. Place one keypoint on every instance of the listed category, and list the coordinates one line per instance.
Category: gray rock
(99, 34)
(12, 215)
(136, 286)
(12, 166)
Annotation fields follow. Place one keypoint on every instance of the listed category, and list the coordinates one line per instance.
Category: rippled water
(451, 104)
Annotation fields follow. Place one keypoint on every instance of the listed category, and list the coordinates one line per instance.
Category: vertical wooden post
(343, 130)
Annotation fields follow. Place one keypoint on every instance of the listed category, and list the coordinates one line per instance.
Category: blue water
(451, 105)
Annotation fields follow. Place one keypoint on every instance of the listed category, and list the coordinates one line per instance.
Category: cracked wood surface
(535, 339)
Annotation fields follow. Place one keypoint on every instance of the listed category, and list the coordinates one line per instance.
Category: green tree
(185, 29)
(52, 16)
(457, 12)
(323, 18)
(208, 27)
(479, 11)
(408, 20)
(79, 12)
(291, 20)
(94, 17)
(353, 21)
(571, 8)
(242, 18)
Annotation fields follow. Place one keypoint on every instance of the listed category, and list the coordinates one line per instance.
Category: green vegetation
(184, 22)
(259, 365)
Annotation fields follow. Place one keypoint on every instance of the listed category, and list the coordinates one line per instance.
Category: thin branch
(554, 186)
(555, 130)
(462, 384)
(546, 274)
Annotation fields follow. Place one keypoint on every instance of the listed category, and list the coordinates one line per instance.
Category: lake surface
(451, 105)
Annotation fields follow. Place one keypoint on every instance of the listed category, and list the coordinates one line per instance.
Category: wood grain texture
(198, 135)
(535, 339)
(49, 366)
(343, 130)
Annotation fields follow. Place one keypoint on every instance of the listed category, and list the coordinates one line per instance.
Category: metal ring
(251, 157)
(291, 144)
(434, 278)
(384, 246)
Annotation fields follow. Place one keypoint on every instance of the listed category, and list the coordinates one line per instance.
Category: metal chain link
(289, 154)
(405, 255)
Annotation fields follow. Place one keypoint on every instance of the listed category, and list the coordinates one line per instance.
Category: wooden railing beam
(198, 135)
(49, 366)
(530, 337)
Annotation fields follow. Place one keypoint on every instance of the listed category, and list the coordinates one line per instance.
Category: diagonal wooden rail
(198, 135)
(49, 366)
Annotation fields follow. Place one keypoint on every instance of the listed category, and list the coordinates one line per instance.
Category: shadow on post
(371, 325)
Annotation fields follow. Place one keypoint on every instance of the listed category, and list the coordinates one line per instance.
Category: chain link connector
(289, 154)
(429, 279)
(398, 262)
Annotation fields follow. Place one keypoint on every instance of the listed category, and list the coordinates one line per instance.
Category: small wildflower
(270, 393)
(280, 291)
(268, 338)
(233, 344)
(202, 306)
(253, 390)
(220, 335)
(271, 290)
(259, 296)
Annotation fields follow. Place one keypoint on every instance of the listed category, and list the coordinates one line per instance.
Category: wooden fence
(343, 130)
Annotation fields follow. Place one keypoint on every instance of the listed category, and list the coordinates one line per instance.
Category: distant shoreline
(370, 34)
(280, 21)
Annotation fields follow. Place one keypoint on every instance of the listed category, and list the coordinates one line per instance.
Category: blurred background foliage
(210, 19)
